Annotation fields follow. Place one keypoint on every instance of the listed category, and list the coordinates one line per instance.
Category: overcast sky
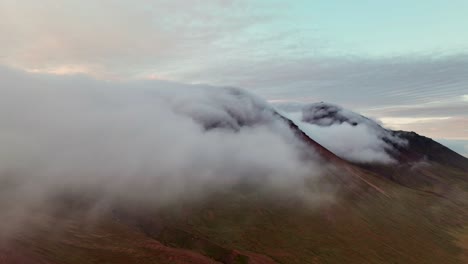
(404, 62)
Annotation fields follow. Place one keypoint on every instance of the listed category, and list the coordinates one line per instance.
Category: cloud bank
(155, 142)
(347, 134)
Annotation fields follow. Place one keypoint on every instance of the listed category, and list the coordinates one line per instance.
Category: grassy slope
(361, 226)
(410, 226)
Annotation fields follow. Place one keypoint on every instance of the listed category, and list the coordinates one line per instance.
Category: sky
(402, 62)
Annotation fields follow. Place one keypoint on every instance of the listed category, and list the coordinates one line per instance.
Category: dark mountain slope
(419, 161)
(424, 164)
(355, 213)
(242, 225)
(423, 148)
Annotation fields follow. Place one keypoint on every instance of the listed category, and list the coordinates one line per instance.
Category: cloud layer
(121, 39)
(152, 141)
(271, 47)
(347, 134)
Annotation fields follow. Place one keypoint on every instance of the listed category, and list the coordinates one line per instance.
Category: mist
(148, 141)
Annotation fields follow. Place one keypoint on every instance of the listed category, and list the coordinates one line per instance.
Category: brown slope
(361, 226)
(331, 157)
(424, 148)
(423, 164)
(419, 148)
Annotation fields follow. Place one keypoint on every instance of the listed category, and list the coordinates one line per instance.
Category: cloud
(352, 81)
(445, 127)
(119, 39)
(448, 108)
(150, 141)
(261, 46)
(347, 134)
(415, 88)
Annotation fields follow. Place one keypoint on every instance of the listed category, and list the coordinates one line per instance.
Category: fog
(148, 141)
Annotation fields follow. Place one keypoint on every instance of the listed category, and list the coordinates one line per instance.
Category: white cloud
(347, 134)
(149, 141)
(121, 39)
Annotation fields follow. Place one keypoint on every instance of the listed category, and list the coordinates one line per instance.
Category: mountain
(410, 206)
(419, 162)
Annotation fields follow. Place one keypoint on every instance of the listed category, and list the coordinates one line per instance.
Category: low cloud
(151, 141)
(347, 134)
